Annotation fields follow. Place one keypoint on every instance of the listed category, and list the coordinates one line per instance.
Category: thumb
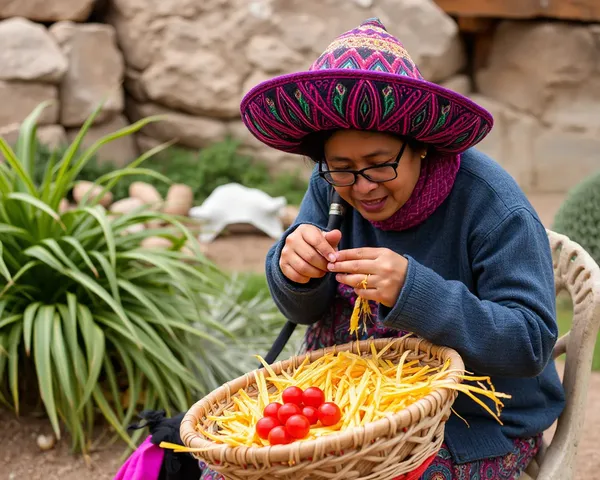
(333, 237)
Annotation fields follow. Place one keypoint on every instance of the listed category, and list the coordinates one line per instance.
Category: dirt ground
(21, 459)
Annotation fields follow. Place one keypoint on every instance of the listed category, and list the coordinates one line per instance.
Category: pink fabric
(143, 464)
(433, 187)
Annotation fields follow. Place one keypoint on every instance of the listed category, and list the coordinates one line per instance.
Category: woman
(449, 246)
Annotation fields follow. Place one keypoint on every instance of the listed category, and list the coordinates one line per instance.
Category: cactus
(579, 215)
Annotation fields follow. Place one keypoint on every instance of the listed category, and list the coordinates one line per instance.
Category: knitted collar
(435, 182)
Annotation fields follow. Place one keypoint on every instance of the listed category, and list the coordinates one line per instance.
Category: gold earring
(423, 155)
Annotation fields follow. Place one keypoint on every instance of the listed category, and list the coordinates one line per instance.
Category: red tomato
(292, 395)
(265, 425)
(329, 414)
(279, 436)
(313, 397)
(271, 409)
(286, 411)
(297, 426)
(311, 414)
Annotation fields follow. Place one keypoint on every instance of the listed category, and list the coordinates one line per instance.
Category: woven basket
(385, 449)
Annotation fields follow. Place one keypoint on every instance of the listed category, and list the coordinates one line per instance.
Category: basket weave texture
(384, 449)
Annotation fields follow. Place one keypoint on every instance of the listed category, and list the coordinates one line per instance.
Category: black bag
(176, 466)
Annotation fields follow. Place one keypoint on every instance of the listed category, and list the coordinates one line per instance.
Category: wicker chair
(577, 273)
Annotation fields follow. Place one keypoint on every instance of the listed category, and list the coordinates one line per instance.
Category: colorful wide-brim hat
(365, 80)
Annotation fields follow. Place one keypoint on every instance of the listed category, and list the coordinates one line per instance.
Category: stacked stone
(74, 65)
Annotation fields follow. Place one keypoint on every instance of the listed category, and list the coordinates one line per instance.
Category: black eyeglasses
(383, 172)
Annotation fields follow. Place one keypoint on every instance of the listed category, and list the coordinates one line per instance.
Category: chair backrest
(577, 273)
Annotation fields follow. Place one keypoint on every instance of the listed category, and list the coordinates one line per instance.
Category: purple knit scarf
(433, 187)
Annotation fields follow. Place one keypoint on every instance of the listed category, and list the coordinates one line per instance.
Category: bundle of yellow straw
(365, 387)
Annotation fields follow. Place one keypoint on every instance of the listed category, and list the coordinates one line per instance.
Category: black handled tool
(336, 214)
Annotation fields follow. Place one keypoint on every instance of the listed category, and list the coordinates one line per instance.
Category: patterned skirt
(333, 330)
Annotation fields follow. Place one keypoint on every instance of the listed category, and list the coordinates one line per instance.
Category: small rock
(180, 199)
(46, 442)
(156, 242)
(64, 205)
(126, 205)
(83, 187)
(135, 228)
(146, 193)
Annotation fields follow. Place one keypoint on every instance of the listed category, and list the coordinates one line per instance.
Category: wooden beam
(475, 24)
(582, 10)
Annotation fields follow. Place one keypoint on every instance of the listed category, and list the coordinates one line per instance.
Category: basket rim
(334, 442)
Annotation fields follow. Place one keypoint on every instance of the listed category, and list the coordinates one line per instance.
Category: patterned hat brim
(281, 111)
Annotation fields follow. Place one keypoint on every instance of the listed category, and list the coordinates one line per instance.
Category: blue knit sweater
(479, 280)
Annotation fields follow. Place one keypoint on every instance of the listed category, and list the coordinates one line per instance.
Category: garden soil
(22, 459)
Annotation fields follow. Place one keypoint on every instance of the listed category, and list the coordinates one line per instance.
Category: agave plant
(96, 323)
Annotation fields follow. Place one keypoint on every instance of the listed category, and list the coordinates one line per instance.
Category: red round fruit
(287, 410)
(265, 425)
(329, 414)
(297, 426)
(292, 395)
(271, 409)
(311, 414)
(280, 436)
(313, 397)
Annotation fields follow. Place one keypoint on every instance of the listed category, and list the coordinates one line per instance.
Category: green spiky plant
(578, 217)
(96, 325)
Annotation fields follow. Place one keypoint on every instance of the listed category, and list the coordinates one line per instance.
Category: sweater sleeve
(302, 303)
(507, 327)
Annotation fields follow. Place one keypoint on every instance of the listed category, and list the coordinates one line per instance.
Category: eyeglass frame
(356, 173)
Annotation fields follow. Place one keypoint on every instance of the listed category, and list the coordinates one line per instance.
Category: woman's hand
(307, 251)
(385, 268)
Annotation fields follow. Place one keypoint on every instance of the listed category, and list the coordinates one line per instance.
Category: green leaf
(3, 268)
(27, 137)
(94, 287)
(23, 197)
(95, 349)
(42, 340)
(82, 253)
(17, 166)
(63, 362)
(45, 257)
(16, 231)
(9, 320)
(13, 363)
(28, 318)
(100, 216)
(110, 273)
(111, 417)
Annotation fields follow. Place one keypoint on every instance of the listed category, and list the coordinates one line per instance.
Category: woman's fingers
(315, 238)
(356, 280)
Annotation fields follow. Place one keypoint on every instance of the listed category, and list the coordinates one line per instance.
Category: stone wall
(195, 60)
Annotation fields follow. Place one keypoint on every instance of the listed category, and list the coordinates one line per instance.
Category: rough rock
(95, 72)
(459, 84)
(47, 10)
(120, 151)
(29, 52)
(564, 158)
(133, 85)
(511, 141)
(192, 76)
(52, 136)
(271, 55)
(531, 64)
(428, 33)
(145, 143)
(19, 99)
(191, 131)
